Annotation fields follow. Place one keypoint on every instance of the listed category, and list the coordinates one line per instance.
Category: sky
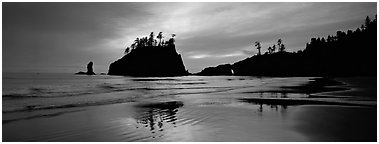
(64, 37)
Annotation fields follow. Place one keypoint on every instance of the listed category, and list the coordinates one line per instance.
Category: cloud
(200, 56)
(248, 52)
(71, 34)
(217, 56)
(64, 33)
(236, 54)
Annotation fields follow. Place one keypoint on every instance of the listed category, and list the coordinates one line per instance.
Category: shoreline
(336, 123)
(203, 117)
(136, 122)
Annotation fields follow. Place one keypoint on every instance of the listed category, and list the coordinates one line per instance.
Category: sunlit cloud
(203, 56)
(200, 56)
(236, 54)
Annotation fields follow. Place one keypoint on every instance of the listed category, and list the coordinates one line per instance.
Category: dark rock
(162, 105)
(89, 70)
(225, 69)
(150, 61)
(81, 73)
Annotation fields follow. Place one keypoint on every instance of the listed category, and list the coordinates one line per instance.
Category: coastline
(332, 123)
(336, 123)
(359, 87)
(119, 122)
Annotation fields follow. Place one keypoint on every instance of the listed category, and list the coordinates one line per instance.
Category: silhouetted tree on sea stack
(281, 46)
(269, 50)
(273, 48)
(258, 45)
(127, 50)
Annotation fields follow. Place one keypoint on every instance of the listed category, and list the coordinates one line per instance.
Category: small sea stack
(89, 70)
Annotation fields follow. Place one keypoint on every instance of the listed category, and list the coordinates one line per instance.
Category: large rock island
(149, 57)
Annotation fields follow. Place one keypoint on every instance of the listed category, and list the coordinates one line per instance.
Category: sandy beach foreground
(215, 117)
(127, 122)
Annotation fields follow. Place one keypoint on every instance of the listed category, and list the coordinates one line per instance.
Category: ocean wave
(122, 90)
(102, 89)
(71, 105)
(158, 79)
(105, 102)
(302, 101)
(38, 116)
(185, 83)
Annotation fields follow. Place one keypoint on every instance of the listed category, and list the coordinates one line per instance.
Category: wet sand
(359, 87)
(336, 123)
(211, 117)
(154, 122)
(174, 122)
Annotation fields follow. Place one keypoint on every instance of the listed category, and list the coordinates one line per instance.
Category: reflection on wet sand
(281, 108)
(273, 107)
(157, 116)
(288, 109)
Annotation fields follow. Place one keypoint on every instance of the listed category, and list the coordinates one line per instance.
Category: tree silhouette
(127, 50)
(367, 22)
(279, 43)
(269, 50)
(172, 40)
(281, 47)
(160, 36)
(137, 42)
(258, 45)
(151, 39)
(133, 46)
(273, 48)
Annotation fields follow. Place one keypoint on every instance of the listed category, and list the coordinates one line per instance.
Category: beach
(273, 110)
(189, 72)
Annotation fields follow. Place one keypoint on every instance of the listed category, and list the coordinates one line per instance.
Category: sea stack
(149, 61)
(148, 57)
(89, 70)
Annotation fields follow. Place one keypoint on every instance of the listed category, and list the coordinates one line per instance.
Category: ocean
(32, 91)
(28, 97)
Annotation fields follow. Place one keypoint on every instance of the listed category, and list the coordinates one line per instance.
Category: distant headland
(148, 56)
(351, 53)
